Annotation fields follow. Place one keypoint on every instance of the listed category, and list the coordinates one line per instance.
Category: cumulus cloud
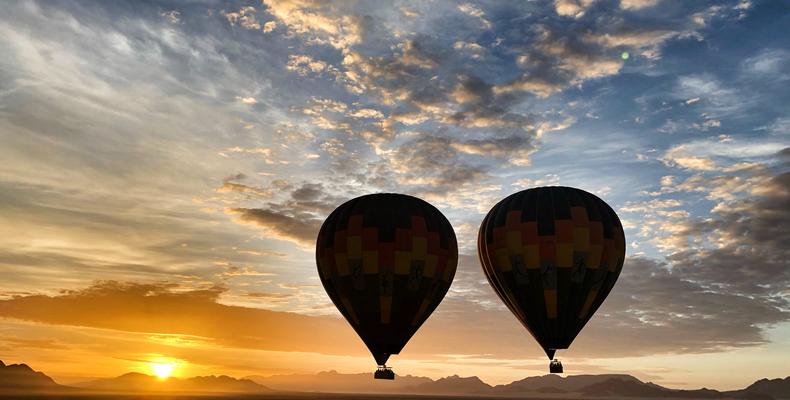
(304, 64)
(473, 10)
(269, 26)
(324, 22)
(678, 156)
(244, 17)
(638, 4)
(433, 162)
(744, 248)
(514, 149)
(556, 60)
(572, 8)
(658, 309)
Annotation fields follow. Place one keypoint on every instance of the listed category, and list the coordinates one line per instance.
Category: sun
(162, 369)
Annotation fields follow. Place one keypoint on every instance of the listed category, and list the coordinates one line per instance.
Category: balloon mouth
(381, 358)
(550, 353)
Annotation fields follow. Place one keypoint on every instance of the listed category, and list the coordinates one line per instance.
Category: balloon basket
(384, 373)
(555, 367)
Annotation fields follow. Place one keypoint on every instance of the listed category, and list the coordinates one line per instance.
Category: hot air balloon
(386, 261)
(552, 254)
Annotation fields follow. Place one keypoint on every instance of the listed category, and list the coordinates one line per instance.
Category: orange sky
(112, 328)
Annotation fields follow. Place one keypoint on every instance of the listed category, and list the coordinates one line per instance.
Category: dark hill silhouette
(134, 382)
(630, 388)
(452, 385)
(545, 383)
(574, 386)
(20, 378)
(778, 388)
(334, 382)
(549, 389)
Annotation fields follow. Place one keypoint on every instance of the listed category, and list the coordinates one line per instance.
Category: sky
(165, 167)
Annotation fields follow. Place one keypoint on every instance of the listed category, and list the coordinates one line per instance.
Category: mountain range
(574, 386)
(20, 378)
(136, 382)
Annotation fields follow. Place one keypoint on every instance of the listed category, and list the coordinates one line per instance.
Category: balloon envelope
(386, 260)
(552, 254)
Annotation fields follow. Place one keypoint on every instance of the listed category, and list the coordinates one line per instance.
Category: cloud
(304, 64)
(245, 17)
(556, 60)
(514, 149)
(646, 206)
(229, 186)
(284, 226)
(158, 308)
(415, 53)
(718, 98)
(435, 164)
(173, 16)
(638, 4)
(646, 41)
(295, 217)
(702, 155)
(476, 12)
(744, 243)
(738, 247)
(678, 156)
(235, 270)
(768, 64)
(247, 100)
(269, 296)
(656, 309)
(572, 8)
(548, 180)
(475, 50)
(323, 22)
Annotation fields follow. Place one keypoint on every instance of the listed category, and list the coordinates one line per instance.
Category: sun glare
(162, 370)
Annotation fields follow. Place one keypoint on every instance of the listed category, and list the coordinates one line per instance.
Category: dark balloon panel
(386, 260)
(552, 254)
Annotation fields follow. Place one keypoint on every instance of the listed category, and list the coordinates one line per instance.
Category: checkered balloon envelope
(386, 260)
(552, 254)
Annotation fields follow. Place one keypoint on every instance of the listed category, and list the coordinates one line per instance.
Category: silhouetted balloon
(552, 254)
(386, 261)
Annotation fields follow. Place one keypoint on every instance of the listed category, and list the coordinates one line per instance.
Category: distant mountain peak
(777, 387)
(20, 378)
